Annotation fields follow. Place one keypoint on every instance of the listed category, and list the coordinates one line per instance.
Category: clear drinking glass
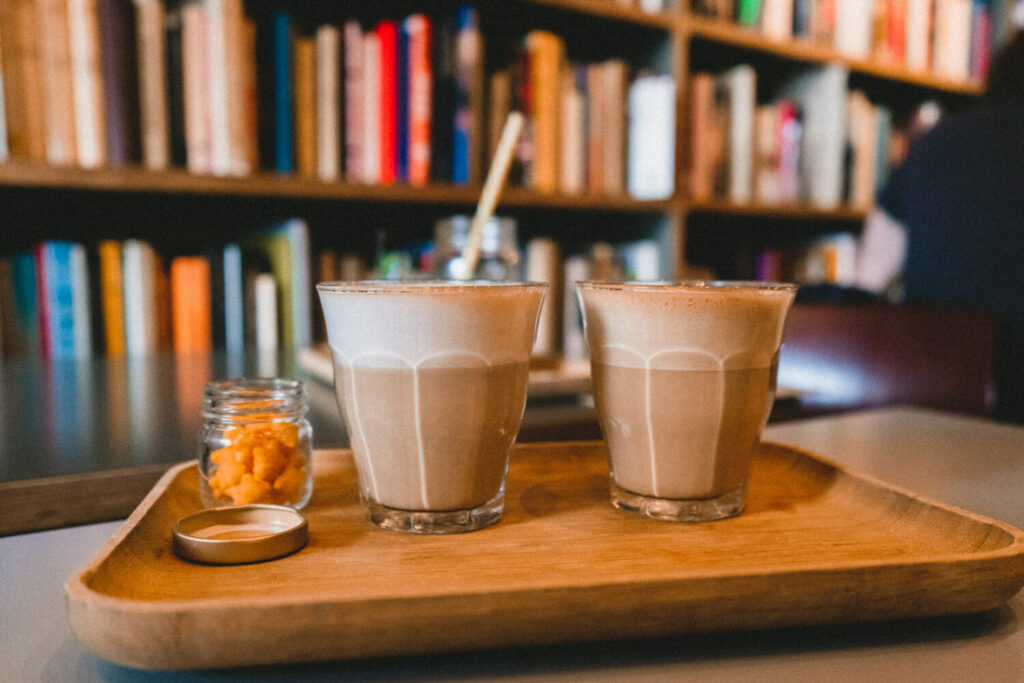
(431, 380)
(683, 378)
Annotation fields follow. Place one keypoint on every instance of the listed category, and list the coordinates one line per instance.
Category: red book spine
(387, 34)
(420, 103)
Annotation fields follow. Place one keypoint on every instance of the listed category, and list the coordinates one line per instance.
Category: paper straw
(489, 196)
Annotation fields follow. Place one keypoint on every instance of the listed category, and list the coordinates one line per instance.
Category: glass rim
(689, 285)
(402, 286)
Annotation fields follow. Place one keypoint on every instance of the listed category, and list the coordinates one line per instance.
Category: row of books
(592, 128)
(817, 142)
(203, 85)
(950, 38)
(66, 300)
(827, 259)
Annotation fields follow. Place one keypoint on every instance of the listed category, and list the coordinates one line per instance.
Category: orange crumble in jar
(256, 444)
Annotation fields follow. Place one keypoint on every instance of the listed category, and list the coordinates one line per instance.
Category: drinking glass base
(437, 521)
(680, 509)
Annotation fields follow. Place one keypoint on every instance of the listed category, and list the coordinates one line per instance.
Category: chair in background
(846, 357)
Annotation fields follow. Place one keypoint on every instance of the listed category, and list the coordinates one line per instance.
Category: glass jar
(255, 444)
(499, 248)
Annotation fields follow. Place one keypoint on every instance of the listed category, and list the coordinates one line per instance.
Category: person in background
(950, 220)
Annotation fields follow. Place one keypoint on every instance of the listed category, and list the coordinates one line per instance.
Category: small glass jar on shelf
(255, 444)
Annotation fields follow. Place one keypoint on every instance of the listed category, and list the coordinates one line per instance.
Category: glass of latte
(431, 381)
(683, 378)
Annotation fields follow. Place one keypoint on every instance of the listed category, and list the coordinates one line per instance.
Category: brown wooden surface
(816, 545)
(53, 502)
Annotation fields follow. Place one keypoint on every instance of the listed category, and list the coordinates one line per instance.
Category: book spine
(151, 50)
(23, 70)
(354, 84)
(112, 296)
(328, 102)
(55, 43)
(190, 303)
(58, 299)
(402, 105)
(174, 82)
(371, 108)
(421, 88)
(81, 303)
(546, 53)
(282, 92)
(387, 99)
(234, 324)
(467, 74)
(651, 162)
(196, 89)
(120, 80)
(304, 90)
(265, 311)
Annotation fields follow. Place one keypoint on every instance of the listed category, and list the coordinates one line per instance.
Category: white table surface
(970, 463)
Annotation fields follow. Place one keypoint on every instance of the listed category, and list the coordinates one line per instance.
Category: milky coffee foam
(685, 327)
(429, 324)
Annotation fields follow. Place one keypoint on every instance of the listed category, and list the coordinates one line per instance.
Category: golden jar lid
(239, 534)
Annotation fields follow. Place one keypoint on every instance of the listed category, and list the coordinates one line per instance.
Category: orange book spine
(421, 78)
(305, 105)
(190, 303)
(112, 296)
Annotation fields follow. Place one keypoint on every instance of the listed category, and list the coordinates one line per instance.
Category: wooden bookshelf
(675, 42)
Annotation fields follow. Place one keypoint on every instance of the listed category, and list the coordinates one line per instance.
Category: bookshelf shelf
(776, 211)
(804, 50)
(180, 182)
(610, 10)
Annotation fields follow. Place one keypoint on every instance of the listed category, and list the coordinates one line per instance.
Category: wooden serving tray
(816, 545)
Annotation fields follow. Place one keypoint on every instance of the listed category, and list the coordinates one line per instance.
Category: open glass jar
(255, 444)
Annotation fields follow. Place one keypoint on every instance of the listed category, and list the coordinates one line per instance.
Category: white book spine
(574, 345)
(371, 117)
(86, 87)
(139, 308)
(80, 302)
(328, 101)
(743, 83)
(651, 161)
(217, 78)
(917, 30)
(543, 265)
(265, 311)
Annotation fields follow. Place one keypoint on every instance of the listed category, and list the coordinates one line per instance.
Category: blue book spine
(465, 64)
(60, 299)
(402, 107)
(234, 327)
(282, 93)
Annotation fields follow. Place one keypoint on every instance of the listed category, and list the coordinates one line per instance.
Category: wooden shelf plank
(789, 210)
(177, 181)
(805, 50)
(612, 10)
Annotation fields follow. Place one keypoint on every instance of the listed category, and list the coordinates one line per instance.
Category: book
(140, 297)
(354, 107)
(575, 269)
(546, 53)
(63, 300)
(227, 61)
(174, 82)
(286, 249)
(196, 89)
(820, 94)
(328, 102)
(233, 298)
(371, 144)
(401, 104)
(917, 45)
(305, 106)
(21, 318)
(418, 31)
(776, 21)
(952, 39)
(152, 74)
(442, 118)
(468, 90)
(980, 39)
(190, 304)
(853, 27)
(264, 312)
(614, 82)
(705, 138)
(573, 153)
(748, 12)
(55, 59)
(25, 104)
(386, 33)
(119, 67)
(87, 84)
(596, 129)
(281, 52)
(544, 264)
(111, 296)
(736, 91)
(861, 129)
(651, 146)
